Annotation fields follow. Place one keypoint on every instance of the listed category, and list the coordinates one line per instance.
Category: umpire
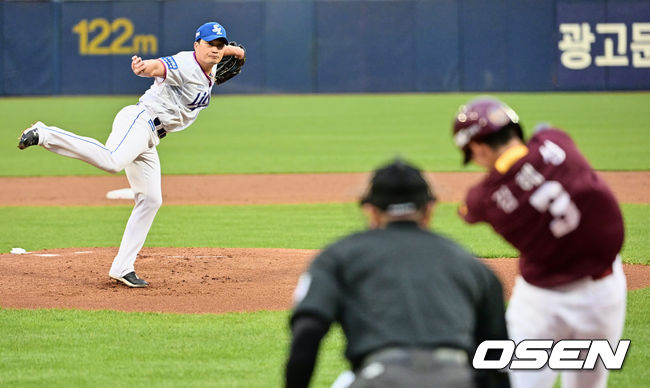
(412, 304)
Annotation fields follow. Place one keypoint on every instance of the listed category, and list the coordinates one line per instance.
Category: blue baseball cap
(211, 31)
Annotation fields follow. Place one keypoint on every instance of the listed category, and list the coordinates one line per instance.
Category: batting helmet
(480, 118)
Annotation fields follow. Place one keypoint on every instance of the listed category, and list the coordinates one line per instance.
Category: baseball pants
(131, 146)
(584, 309)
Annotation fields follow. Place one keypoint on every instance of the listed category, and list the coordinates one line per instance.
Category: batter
(544, 198)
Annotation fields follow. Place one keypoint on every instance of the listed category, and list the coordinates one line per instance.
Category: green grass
(279, 226)
(269, 134)
(105, 348)
(328, 133)
(636, 330)
(88, 348)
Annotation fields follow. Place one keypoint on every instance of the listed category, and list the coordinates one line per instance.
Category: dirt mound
(209, 280)
(182, 280)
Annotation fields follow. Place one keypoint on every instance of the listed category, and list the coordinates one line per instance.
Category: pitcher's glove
(229, 66)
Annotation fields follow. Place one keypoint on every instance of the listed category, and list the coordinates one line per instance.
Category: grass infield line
(308, 226)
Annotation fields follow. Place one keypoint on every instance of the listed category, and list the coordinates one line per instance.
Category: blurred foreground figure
(545, 199)
(412, 304)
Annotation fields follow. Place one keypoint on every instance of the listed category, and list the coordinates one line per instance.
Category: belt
(399, 354)
(608, 271)
(159, 128)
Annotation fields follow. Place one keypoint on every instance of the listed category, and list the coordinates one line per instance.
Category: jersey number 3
(552, 197)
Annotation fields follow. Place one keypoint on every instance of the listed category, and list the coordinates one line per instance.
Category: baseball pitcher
(181, 89)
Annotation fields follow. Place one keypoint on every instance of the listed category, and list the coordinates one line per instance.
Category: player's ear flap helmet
(479, 118)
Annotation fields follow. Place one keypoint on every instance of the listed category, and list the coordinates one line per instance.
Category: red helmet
(479, 118)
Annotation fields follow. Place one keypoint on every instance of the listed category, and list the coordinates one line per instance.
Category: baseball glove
(229, 66)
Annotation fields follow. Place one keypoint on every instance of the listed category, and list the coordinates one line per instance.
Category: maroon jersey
(547, 201)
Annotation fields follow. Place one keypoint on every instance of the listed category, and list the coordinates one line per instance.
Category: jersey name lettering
(528, 177)
(201, 100)
(505, 200)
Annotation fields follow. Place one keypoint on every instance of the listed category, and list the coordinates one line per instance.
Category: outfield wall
(332, 46)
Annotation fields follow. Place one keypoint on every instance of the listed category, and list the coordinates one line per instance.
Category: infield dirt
(210, 280)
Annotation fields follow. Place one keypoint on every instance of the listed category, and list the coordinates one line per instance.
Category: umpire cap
(398, 188)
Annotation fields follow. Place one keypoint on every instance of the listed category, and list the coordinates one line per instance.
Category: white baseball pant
(584, 309)
(131, 146)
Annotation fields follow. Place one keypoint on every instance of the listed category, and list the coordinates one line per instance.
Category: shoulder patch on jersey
(170, 62)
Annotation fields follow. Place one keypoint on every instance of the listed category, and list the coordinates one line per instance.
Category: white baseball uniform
(587, 308)
(175, 100)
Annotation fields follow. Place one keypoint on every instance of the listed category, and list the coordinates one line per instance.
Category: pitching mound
(209, 280)
(182, 280)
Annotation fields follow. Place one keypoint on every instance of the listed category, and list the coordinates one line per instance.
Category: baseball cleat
(131, 280)
(29, 137)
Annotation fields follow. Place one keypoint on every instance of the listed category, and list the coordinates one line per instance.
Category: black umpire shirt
(397, 286)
